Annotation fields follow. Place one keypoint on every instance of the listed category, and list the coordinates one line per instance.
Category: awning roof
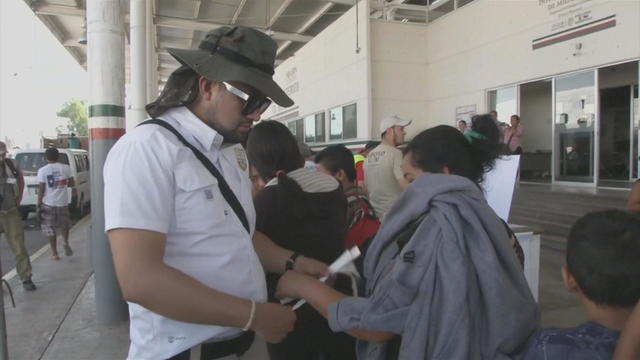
(183, 23)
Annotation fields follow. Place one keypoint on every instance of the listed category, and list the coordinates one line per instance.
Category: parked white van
(30, 161)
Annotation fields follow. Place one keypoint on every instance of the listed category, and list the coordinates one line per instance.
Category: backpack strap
(226, 191)
(12, 167)
(367, 208)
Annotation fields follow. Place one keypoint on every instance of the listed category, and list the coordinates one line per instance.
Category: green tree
(76, 111)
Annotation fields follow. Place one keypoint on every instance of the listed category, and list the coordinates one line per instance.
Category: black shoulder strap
(226, 191)
(12, 167)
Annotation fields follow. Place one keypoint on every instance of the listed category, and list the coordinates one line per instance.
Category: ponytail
(444, 146)
(273, 152)
(485, 148)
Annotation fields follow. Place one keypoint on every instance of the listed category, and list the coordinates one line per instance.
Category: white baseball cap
(391, 121)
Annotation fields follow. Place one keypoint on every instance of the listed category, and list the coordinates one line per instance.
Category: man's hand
(309, 266)
(273, 321)
(19, 199)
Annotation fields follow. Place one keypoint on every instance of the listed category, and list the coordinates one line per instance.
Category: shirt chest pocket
(198, 200)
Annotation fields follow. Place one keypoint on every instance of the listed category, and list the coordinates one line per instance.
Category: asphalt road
(33, 239)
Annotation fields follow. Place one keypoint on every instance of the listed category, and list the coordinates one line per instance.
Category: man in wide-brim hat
(239, 59)
(181, 225)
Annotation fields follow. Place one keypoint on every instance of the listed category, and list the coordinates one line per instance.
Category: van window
(79, 163)
(30, 163)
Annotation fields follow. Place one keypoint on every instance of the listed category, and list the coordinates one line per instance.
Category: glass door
(618, 128)
(615, 133)
(574, 127)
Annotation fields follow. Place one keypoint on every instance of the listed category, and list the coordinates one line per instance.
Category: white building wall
(330, 71)
(398, 73)
(425, 72)
(488, 44)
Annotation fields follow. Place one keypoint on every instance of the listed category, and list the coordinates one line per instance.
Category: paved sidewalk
(57, 321)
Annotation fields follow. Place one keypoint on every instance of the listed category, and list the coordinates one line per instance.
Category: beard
(234, 136)
(230, 136)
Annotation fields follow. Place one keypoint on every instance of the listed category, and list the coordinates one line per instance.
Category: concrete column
(152, 55)
(105, 64)
(138, 51)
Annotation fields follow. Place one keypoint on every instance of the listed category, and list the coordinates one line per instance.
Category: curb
(11, 274)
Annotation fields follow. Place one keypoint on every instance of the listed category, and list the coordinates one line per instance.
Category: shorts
(54, 220)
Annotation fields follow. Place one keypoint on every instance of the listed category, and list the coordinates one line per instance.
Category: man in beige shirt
(383, 175)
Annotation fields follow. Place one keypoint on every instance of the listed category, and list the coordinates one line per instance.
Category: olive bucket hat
(238, 53)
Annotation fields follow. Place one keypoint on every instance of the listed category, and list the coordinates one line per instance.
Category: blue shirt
(74, 143)
(589, 341)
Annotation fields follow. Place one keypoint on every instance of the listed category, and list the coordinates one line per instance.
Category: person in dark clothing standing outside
(304, 211)
(11, 186)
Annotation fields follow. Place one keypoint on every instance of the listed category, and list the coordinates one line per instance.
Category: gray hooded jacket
(454, 291)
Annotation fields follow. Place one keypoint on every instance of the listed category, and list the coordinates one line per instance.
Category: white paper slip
(347, 257)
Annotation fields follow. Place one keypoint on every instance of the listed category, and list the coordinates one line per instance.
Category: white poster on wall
(499, 185)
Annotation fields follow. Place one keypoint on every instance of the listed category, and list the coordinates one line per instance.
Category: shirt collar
(208, 138)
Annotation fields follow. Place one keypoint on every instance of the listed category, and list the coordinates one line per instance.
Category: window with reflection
(575, 114)
(343, 122)
(335, 123)
(314, 128)
(297, 129)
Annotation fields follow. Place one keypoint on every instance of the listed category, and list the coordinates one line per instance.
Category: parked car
(30, 161)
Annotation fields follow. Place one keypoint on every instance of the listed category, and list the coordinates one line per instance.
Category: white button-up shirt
(153, 182)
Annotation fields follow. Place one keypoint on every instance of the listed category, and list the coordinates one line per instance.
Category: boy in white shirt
(53, 201)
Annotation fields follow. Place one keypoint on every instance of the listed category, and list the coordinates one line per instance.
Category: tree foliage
(76, 111)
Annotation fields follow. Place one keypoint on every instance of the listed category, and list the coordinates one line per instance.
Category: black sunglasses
(252, 103)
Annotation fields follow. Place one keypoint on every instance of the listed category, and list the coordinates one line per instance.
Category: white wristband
(253, 313)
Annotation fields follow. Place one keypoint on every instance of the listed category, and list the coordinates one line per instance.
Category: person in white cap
(383, 175)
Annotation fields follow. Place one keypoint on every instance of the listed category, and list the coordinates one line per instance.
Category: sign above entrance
(573, 18)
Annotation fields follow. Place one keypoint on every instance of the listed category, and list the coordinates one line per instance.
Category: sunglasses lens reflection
(256, 104)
